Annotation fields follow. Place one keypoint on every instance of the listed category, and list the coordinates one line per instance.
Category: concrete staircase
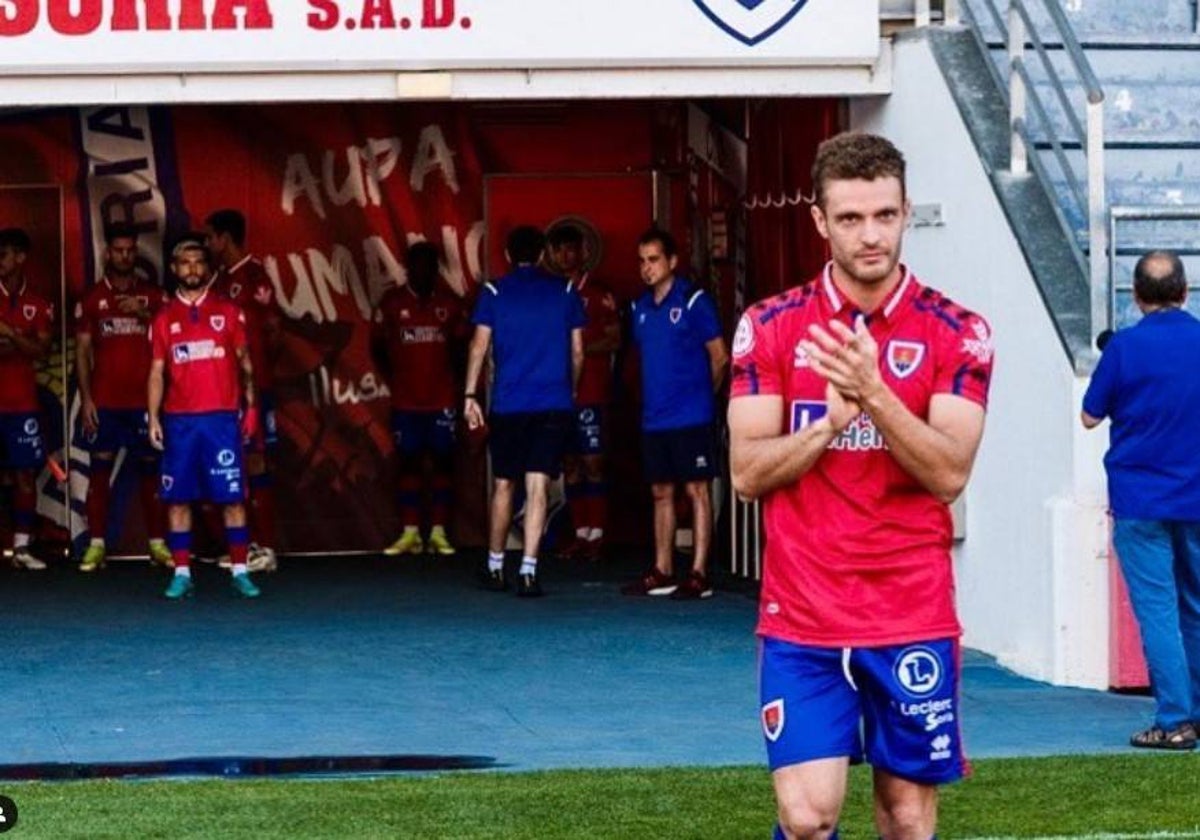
(1147, 57)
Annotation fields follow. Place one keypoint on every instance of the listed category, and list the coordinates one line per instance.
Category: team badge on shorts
(31, 426)
(773, 719)
(676, 314)
(168, 481)
(751, 21)
(904, 357)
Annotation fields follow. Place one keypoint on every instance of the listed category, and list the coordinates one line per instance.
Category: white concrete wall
(1031, 571)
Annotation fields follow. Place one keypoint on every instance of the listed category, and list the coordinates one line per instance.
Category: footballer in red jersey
(856, 411)
(26, 322)
(112, 362)
(420, 323)
(242, 278)
(200, 379)
(583, 466)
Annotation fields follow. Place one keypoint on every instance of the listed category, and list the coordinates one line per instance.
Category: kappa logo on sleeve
(751, 21)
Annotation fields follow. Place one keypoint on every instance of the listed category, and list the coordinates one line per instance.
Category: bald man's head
(1159, 279)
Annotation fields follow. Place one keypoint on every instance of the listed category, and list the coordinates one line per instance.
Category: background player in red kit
(242, 278)
(420, 322)
(26, 321)
(583, 465)
(857, 409)
(112, 361)
(200, 377)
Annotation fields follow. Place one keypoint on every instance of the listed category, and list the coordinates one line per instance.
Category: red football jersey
(199, 343)
(857, 552)
(29, 315)
(121, 352)
(418, 334)
(595, 381)
(249, 286)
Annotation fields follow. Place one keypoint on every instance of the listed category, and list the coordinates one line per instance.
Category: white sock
(528, 565)
(495, 561)
(410, 529)
(99, 541)
(595, 534)
(20, 540)
(154, 541)
(239, 568)
(582, 533)
(183, 571)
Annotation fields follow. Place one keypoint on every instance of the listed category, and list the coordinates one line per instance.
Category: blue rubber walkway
(368, 664)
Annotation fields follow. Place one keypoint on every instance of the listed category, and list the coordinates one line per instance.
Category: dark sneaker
(696, 586)
(573, 550)
(493, 580)
(528, 587)
(653, 583)
(1182, 737)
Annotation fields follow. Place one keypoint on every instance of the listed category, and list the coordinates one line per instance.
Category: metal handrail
(1021, 92)
(1129, 212)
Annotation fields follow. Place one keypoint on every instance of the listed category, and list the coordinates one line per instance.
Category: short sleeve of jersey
(158, 337)
(703, 315)
(964, 366)
(84, 322)
(756, 364)
(1098, 401)
(485, 307)
(576, 316)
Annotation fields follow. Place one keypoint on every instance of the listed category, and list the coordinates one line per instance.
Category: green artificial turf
(1077, 796)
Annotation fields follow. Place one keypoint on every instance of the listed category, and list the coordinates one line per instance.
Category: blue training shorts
(896, 705)
(202, 459)
(418, 432)
(127, 429)
(21, 446)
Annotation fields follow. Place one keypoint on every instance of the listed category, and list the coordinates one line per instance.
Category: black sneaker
(493, 580)
(528, 587)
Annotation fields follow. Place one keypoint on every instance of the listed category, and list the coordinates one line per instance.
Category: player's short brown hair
(856, 155)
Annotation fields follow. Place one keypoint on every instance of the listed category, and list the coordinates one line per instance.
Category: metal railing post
(1018, 154)
(1097, 230)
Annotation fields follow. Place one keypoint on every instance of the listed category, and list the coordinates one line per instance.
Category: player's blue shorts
(202, 459)
(418, 432)
(127, 429)
(589, 430)
(905, 697)
(21, 446)
(268, 425)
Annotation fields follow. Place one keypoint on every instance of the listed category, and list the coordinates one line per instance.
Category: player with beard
(242, 278)
(25, 336)
(200, 378)
(857, 408)
(583, 465)
(112, 362)
(420, 322)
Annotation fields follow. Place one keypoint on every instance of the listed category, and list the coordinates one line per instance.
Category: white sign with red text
(121, 36)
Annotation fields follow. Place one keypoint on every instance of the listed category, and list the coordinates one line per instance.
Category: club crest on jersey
(676, 313)
(103, 305)
(904, 357)
(235, 289)
(29, 311)
(773, 720)
(217, 322)
(441, 313)
(750, 21)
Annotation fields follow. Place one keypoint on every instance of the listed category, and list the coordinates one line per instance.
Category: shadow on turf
(230, 767)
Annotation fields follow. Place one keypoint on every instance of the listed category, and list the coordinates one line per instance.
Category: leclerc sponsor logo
(751, 21)
(919, 671)
(806, 412)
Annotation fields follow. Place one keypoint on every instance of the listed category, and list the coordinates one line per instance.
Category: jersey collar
(837, 303)
(9, 293)
(237, 266)
(198, 301)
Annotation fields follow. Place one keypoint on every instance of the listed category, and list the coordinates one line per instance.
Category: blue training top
(531, 314)
(1146, 383)
(677, 388)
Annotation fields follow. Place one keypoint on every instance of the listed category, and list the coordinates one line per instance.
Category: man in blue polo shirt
(534, 320)
(683, 355)
(1146, 385)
